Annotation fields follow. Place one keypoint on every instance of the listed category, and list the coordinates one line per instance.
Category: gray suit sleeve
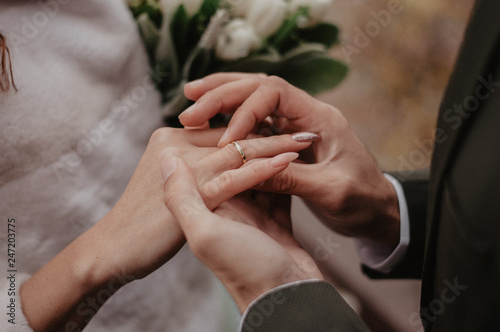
(310, 306)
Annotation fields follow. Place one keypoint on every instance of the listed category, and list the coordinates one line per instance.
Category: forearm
(66, 293)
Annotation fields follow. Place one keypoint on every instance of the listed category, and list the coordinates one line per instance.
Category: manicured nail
(194, 83)
(168, 168)
(188, 110)
(284, 159)
(305, 137)
(224, 137)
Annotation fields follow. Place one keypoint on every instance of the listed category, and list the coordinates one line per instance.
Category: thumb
(181, 194)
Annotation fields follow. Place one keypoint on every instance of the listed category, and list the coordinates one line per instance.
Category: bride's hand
(232, 242)
(139, 234)
(140, 219)
(340, 180)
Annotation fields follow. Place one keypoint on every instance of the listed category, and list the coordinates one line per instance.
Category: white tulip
(237, 40)
(238, 8)
(266, 16)
(317, 8)
(191, 6)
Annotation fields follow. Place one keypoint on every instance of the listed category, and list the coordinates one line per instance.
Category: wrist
(383, 226)
(92, 268)
(389, 226)
(67, 292)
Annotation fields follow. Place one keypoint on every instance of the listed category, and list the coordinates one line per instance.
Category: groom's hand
(339, 178)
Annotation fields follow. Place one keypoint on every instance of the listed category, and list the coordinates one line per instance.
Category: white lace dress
(70, 139)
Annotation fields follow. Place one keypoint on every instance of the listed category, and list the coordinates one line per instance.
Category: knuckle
(277, 81)
(225, 182)
(345, 197)
(168, 198)
(256, 172)
(203, 239)
(251, 147)
(213, 99)
(163, 135)
(275, 85)
(169, 152)
(210, 191)
(284, 182)
(230, 153)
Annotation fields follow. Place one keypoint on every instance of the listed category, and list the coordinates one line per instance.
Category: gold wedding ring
(240, 150)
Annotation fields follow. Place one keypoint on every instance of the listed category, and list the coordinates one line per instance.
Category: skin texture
(338, 178)
(247, 242)
(140, 234)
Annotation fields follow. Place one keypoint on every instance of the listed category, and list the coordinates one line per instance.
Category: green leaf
(285, 32)
(312, 71)
(199, 22)
(175, 104)
(209, 7)
(265, 63)
(323, 33)
(150, 34)
(179, 30)
(200, 65)
(149, 7)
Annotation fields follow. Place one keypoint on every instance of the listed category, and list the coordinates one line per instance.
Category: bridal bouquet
(188, 39)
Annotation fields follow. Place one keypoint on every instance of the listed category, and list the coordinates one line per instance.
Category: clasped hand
(337, 177)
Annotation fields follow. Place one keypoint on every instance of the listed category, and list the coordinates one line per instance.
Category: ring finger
(235, 155)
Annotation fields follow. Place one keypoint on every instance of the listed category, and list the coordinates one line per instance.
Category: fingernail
(188, 110)
(305, 137)
(168, 168)
(224, 137)
(194, 83)
(284, 159)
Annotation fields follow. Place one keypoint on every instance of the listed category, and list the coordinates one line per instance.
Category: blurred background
(392, 93)
(398, 73)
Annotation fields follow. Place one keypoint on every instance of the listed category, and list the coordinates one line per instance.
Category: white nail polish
(305, 137)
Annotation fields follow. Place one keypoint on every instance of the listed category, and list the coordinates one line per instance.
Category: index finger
(276, 96)
(195, 89)
(222, 98)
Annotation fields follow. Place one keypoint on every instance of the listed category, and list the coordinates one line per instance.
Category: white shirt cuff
(381, 258)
